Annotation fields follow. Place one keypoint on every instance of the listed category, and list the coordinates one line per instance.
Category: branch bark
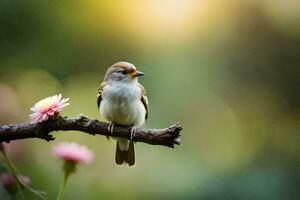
(165, 137)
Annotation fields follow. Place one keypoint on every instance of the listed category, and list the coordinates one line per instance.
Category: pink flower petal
(50, 112)
(73, 152)
(44, 117)
(47, 107)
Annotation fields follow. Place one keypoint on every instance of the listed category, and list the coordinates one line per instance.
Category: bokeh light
(228, 70)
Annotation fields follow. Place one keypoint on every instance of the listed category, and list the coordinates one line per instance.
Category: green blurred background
(228, 70)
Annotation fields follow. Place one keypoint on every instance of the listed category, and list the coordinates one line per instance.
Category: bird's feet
(110, 127)
(132, 132)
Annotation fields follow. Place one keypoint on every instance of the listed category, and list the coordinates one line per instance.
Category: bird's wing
(99, 94)
(144, 99)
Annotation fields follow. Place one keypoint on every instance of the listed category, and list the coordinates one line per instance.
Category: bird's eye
(124, 72)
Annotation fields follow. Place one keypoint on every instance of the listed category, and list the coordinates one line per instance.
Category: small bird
(122, 100)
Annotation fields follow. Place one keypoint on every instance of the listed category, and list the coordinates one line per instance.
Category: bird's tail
(125, 152)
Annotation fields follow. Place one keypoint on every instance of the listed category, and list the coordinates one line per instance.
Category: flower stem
(63, 187)
(13, 173)
(39, 193)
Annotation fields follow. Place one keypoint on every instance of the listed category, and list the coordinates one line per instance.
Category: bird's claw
(132, 132)
(110, 127)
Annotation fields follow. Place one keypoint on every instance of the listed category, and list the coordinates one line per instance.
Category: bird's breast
(122, 105)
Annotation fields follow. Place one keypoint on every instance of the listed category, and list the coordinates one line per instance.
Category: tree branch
(166, 137)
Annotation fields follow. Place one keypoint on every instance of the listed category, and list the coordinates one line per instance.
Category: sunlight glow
(165, 19)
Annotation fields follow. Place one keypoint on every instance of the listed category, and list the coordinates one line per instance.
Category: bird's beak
(137, 74)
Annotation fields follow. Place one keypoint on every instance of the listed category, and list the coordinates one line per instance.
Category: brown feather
(128, 156)
(144, 100)
(99, 94)
(120, 65)
(119, 157)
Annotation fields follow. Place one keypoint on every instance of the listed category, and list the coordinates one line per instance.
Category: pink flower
(9, 183)
(47, 107)
(71, 151)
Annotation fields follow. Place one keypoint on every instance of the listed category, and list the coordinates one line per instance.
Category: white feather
(121, 103)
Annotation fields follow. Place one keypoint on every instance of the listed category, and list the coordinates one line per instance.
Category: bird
(122, 100)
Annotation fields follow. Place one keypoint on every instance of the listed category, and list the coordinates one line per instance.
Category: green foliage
(228, 71)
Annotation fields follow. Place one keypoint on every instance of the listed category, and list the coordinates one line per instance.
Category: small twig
(166, 137)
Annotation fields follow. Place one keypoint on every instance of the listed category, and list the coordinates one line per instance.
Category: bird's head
(123, 72)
